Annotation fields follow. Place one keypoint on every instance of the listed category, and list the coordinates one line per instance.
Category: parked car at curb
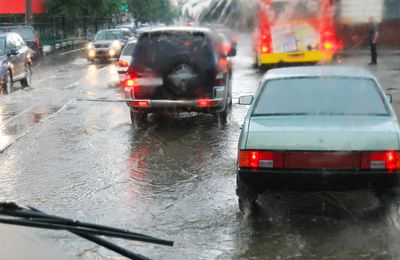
(318, 128)
(107, 44)
(178, 69)
(15, 62)
(29, 35)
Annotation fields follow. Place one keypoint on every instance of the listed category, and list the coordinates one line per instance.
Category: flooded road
(73, 153)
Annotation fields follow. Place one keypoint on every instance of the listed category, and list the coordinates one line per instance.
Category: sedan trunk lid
(323, 133)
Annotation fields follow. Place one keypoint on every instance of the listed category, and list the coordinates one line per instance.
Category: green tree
(81, 13)
(152, 10)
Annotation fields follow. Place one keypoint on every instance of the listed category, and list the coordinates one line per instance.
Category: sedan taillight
(389, 160)
(123, 63)
(260, 159)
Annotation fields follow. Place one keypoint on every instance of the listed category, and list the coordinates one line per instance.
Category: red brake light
(205, 102)
(264, 49)
(140, 103)
(130, 80)
(38, 41)
(260, 159)
(123, 63)
(329, 45)
(389, 160)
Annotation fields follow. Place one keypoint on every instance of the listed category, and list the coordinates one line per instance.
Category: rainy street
(67, 147)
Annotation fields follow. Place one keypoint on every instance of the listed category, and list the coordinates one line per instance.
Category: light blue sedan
(318, 128)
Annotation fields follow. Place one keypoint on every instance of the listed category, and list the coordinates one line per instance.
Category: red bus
(295, 31)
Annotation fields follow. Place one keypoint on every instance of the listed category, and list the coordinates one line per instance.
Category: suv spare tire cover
(182, 76)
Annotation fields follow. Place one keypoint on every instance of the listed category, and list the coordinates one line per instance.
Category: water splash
(237, 13)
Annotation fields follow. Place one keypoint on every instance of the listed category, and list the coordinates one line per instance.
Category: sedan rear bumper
(318, 180)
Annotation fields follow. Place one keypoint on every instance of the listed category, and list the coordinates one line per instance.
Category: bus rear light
(260, 159)
(389, 160)
(264, 49)
(329, 46)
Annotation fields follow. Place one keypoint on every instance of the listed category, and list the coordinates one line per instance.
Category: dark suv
(179, 69)
(15, 63)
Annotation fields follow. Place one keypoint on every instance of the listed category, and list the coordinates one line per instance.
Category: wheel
(7, 83)
(222, 117)
(27, 81)
(138, 118)
(247, 197)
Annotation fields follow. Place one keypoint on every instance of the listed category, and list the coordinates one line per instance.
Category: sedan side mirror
(389, 98)
(246, 100)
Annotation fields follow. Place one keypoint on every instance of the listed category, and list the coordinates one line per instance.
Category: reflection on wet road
(173, 179)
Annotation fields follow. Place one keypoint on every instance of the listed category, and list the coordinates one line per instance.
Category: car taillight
(130, 80)
(220, 79)
(140, 103)
(389, 160)
(260, 159)
(206, 102)
(123, 63)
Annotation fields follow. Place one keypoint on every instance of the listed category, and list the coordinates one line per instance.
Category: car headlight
(90, 46)
(112, 52)
(116, 45)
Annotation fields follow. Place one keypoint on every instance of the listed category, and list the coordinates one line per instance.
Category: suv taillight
(130, 80)
(219, 79)
(260, 159)
(389, 160)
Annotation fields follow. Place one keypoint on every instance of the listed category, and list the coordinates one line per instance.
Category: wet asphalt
(68, 148)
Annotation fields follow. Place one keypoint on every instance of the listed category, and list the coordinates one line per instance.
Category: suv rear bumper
(217, 105)
(302, 180)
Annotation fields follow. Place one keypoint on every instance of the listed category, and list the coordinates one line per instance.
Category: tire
(138, 119)
(178, 86)
(7, 83)
(247, 197)
(222, 116)
(27, 81)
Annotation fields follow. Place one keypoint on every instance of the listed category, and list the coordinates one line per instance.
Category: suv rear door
(185, 61)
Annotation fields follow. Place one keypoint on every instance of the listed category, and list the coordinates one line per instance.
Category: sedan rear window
(320, 96)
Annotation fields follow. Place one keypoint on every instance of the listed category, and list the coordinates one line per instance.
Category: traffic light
(124, 7)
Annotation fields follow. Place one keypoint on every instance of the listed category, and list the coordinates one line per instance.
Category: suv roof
(179, 29)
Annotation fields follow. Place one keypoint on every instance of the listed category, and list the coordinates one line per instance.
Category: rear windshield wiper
(11, 213)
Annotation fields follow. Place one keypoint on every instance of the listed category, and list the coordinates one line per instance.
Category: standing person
(373, 35)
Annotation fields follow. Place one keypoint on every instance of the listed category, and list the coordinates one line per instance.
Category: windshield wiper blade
(28, 216)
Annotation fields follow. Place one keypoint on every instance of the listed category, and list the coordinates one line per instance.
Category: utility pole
(28, 12)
